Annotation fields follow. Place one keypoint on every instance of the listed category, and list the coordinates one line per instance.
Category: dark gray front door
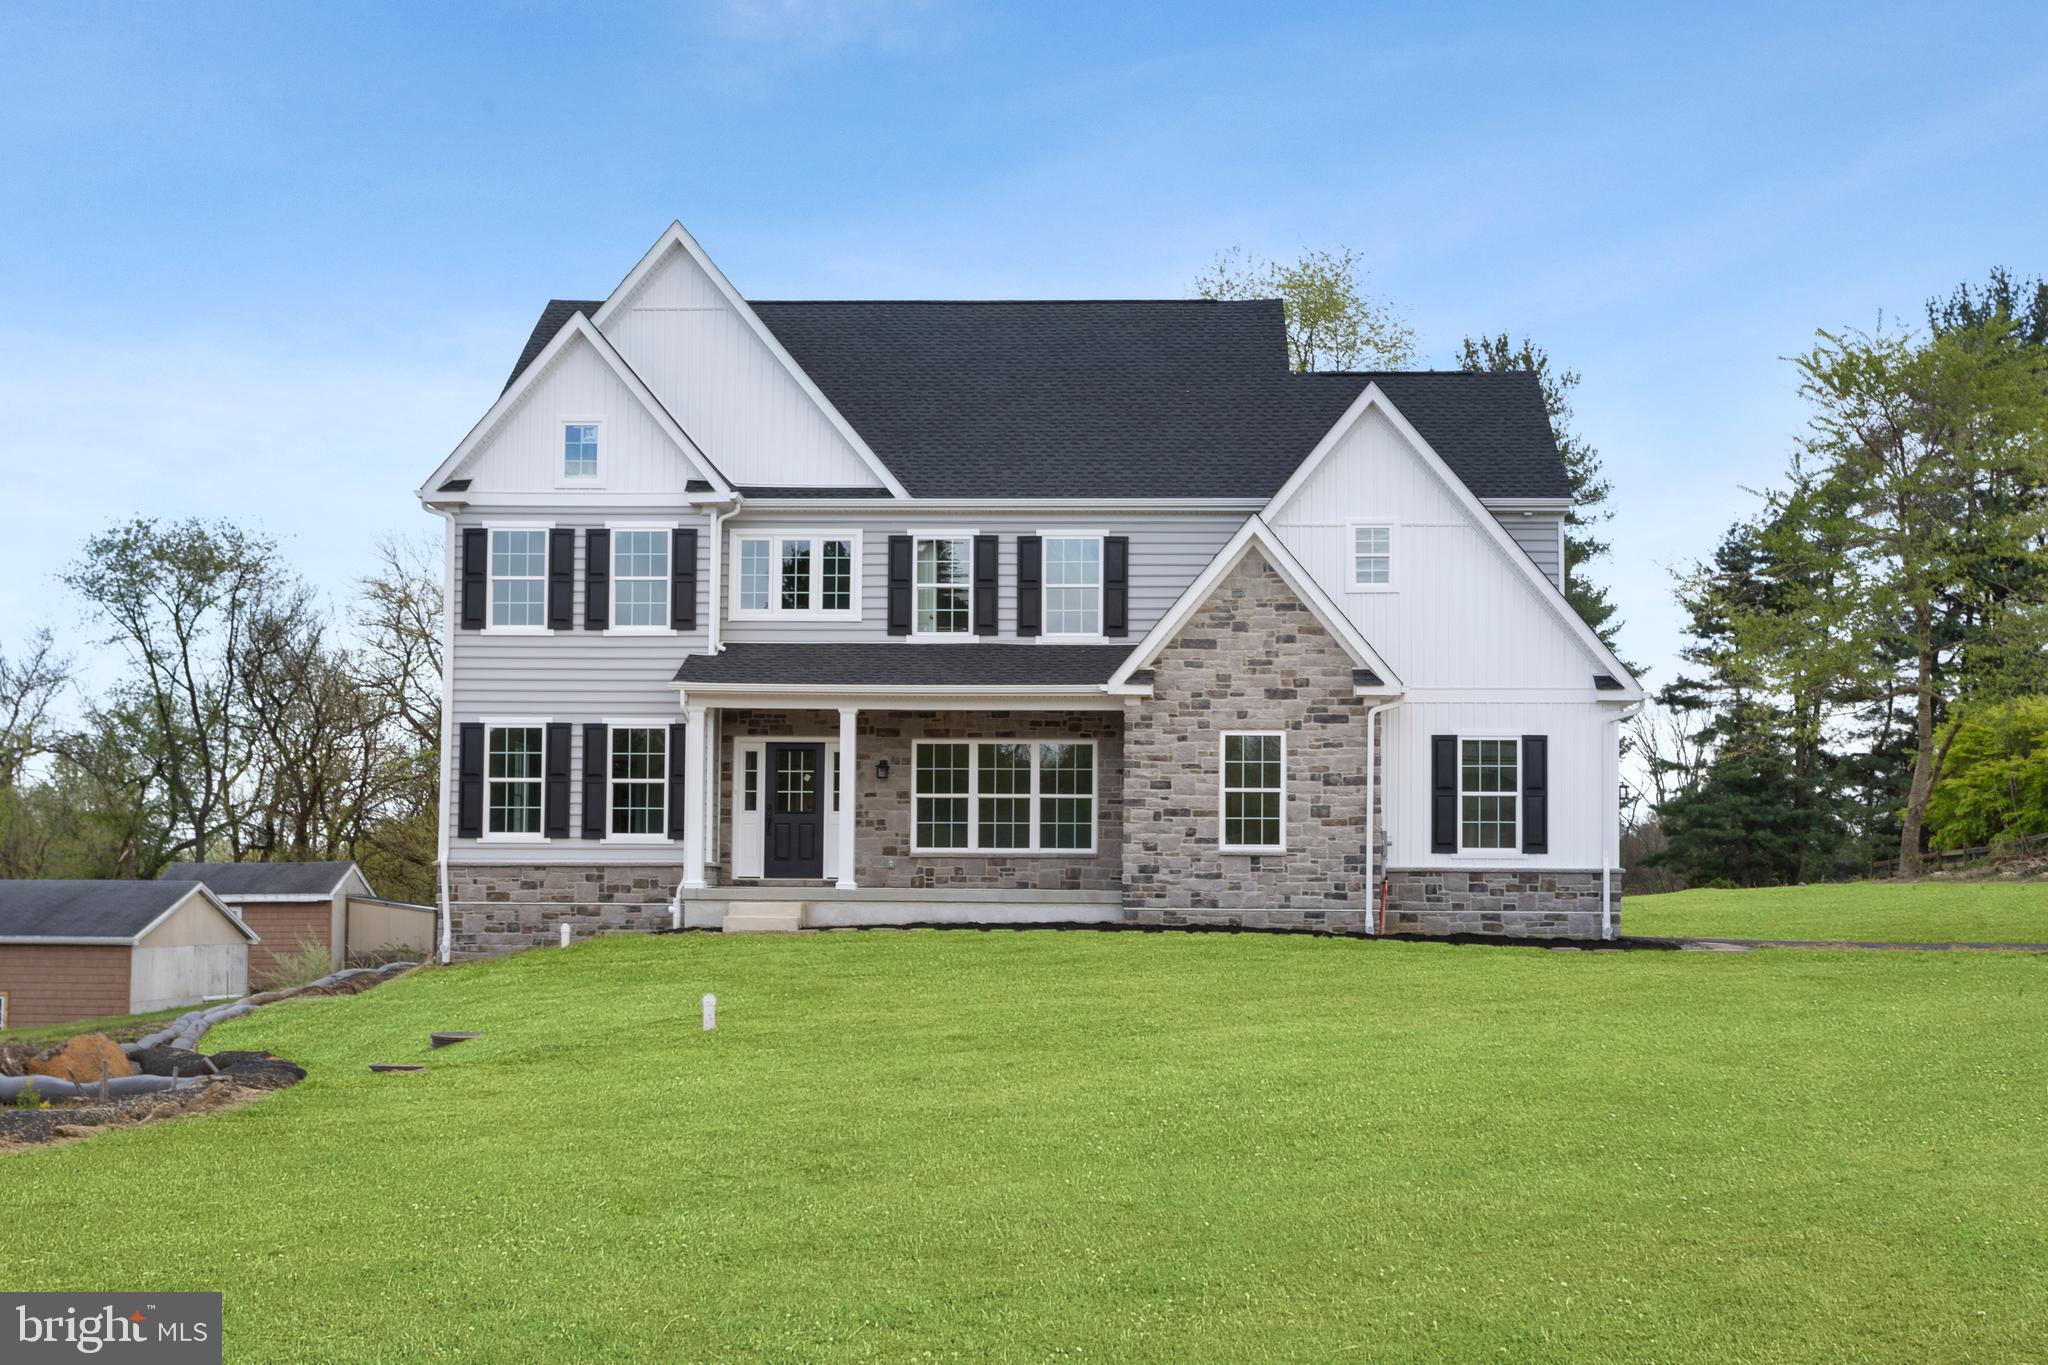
(794, 832)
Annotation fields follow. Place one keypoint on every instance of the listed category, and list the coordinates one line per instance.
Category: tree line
(249, 721)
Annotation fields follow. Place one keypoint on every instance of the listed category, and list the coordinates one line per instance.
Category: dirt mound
(88, 1057)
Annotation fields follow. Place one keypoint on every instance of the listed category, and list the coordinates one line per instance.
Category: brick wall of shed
(57, 983)
(284, 927)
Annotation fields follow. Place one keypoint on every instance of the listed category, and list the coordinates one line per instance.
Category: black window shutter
(597, 579)
(476, 567)
(987, 599)
(562, 578)
(1030, 574)
(899, 585)
(469, 784)
(1535, 793)
(676, 826)
(596, 745)
(1116, 585)
(555, 795)
(1443, 793)
(682, 588)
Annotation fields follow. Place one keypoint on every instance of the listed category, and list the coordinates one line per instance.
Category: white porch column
(694, 813)
(849, 788)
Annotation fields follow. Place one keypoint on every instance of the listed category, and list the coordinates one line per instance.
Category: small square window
(579, 450)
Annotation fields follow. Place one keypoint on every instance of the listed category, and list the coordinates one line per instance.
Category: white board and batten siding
(1480, 648)
(522, 451)
(1167, 552)
(724, 385)
(577, 677)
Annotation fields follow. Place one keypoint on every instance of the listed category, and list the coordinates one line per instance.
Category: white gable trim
(1255, 532)
(678, 237)
(1488, 525)
(577, 326)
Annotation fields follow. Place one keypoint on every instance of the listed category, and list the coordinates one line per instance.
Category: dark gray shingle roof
(85, 909)
(904, 664)
(263, 879)
(1120, 398)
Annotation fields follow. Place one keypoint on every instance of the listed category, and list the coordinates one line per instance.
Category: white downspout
(448, 755)
(713, 643)
(1372, 769)
(1610, 852)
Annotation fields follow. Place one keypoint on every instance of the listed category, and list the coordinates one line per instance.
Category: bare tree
(30, 684)
(397, 619)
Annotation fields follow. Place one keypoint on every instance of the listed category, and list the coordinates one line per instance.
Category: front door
(794, 831)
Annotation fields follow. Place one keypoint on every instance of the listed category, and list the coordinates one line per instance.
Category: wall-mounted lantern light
(881, 770)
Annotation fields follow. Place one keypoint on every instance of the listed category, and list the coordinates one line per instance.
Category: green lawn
(1105, 1147)
(1875, 912)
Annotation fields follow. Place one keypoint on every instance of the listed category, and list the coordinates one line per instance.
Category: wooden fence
(1958, 859)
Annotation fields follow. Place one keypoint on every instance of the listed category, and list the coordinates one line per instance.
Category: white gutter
(1610, 853)
(1372, 765)
(446, 915)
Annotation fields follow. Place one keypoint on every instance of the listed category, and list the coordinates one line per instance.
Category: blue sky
(273, 260)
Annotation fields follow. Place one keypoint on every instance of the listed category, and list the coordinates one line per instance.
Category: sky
(271, 261)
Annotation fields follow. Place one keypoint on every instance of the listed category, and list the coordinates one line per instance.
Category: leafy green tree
(1582, 470)
(1751, 821)
(1996, 787)
(1332, 322)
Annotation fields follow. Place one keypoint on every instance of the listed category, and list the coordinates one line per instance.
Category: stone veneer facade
(1520, 903)
(1253, 657)
(497, 907)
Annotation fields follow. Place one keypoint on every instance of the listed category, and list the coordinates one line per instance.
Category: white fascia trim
(1480, 514)
(1255, 531)
(677, 236)
(592, 500)
(1073, 697)
(1526, 504)
(992, 506)
(577, 326)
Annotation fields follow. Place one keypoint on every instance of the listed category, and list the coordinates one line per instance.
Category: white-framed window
(1004, 796)
(513, 764)
(1489, 795)
(943, 580)
(1372, 557)
(1254, 792)
(640, 577)
(1071, 582)
(519, 578)
(637, 787)
(796, 573)
(579, 451)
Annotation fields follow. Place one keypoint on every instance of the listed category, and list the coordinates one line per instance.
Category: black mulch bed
(237, 1076)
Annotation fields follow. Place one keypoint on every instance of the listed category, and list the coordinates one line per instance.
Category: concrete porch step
(765, 917)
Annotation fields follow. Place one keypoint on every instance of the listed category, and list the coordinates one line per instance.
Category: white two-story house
(826, 613)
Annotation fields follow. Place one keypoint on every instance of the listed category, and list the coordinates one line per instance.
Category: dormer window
(579, 451)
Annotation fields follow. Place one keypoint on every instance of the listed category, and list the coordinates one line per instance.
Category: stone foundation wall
(1519, 903)
(1253, 657)
(495, 908)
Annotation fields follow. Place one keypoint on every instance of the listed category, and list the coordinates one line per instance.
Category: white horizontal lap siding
(523, 452)
(1168, 551)
(577, 677)
(1578, 766)
(1463, 613)
(725, 387)
(1536, 533)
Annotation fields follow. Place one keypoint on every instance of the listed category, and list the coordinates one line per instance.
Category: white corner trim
(1254, 532)
(676, 236)
(1479, 513)
(578, 326)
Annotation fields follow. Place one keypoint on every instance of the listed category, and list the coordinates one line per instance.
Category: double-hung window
(945, 585)
(1372, 557)
(1072, 584)
(1489, 788)
(1254, 793)
(512, 776)
(640, 578)
(579, 451)
(996, 796)
(639, 781)
(519, 577)
(795, 573)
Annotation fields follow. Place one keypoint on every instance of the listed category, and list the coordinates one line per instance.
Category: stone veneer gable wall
(1253, 657)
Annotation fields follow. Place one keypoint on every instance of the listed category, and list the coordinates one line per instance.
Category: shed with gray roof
(90, 949)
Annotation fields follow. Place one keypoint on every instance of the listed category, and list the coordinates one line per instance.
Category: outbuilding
(90, 949)
(295, 906)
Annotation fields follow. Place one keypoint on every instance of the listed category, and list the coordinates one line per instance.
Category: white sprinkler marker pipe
(710, 1013)
(565, 936)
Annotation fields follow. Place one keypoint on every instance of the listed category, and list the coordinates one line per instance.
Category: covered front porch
(826, 790)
